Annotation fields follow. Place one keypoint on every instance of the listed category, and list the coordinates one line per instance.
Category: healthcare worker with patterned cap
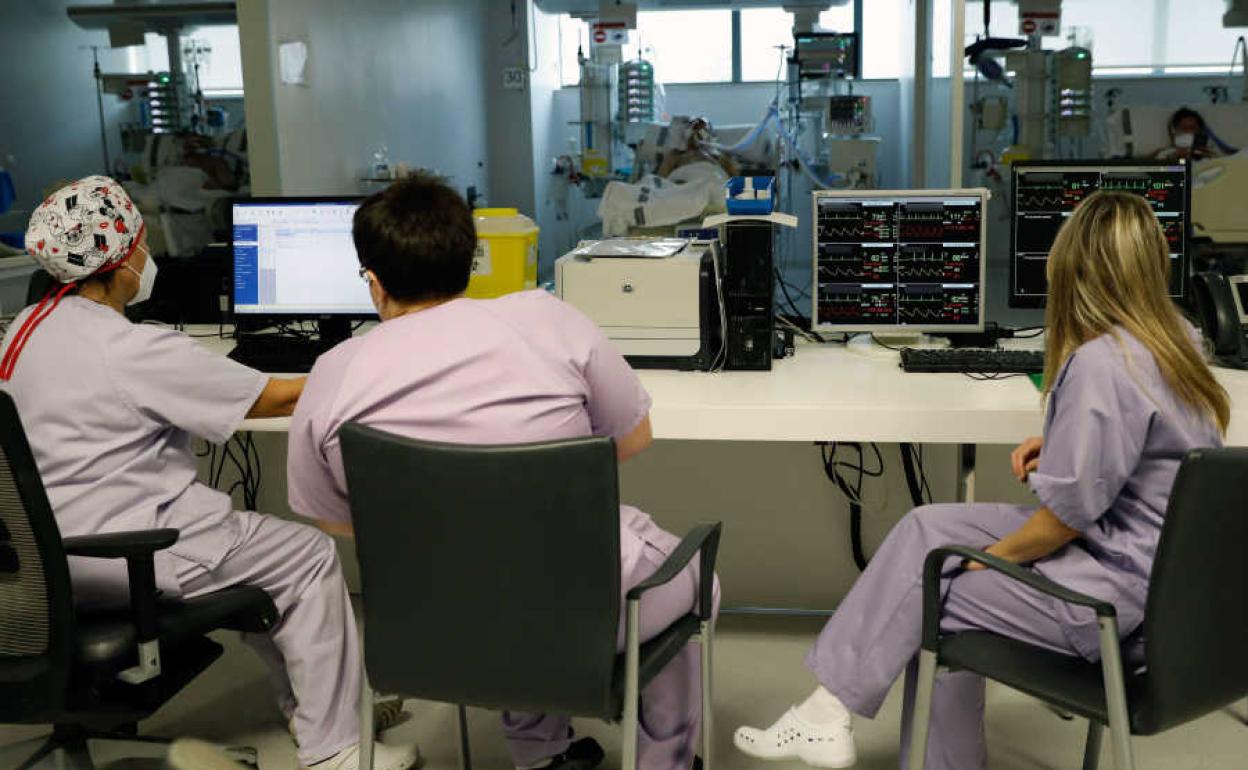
(110, 408)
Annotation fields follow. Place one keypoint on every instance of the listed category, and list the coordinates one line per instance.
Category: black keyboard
(277, 354)
(972, 360)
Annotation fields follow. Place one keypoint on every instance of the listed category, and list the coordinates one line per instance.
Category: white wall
(405, 74)
(509, 132)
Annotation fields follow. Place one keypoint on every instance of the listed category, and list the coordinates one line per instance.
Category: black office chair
(491, 577)
(1195, 625)
(92, 676)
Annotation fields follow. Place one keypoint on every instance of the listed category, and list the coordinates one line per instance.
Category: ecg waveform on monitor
(937, 304)
(854, 303)
(928, 222)
(854, 262)
(852, 222)
(1045, 199)
(896, 261)
(1039, 202)
(950, 264)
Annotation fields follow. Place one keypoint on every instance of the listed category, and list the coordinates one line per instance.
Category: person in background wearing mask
(110, 409)
(1189, 137)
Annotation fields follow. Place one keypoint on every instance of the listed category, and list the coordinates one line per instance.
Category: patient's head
(1188, 132)
(416, 240)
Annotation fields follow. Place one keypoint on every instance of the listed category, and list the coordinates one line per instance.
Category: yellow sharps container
(506, 258)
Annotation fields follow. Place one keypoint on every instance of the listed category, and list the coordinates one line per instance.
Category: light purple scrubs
(1114, 436)
(521, 368)
(110, 409)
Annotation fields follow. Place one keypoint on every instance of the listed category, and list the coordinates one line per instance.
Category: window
(573, 37)
(881, 25)
(841, 18)
(766, 42)
(220, 65)
(696, 46)
(1166, 35)
(686, 46)
(683, 46)
(1195, 36)
(764, 30)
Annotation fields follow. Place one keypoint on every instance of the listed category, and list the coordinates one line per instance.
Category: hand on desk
(1026, 457)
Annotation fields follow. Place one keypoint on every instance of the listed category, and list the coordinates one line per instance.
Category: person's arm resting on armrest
(278, 398)
(1040, 535)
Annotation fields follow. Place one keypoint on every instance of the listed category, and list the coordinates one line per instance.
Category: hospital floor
(759, 673)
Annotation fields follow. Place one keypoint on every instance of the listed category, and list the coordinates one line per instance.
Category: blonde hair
(1110, 268)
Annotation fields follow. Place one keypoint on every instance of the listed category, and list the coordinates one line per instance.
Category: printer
(661, 312)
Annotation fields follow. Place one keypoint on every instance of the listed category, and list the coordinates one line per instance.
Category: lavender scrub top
(525, 367)
(110, 408)
(1114, 437)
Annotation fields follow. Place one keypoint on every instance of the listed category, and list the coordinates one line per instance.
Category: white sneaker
(387, 713)
(384, 758)
(824, 745)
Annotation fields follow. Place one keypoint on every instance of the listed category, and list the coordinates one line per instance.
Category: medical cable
(852, 489)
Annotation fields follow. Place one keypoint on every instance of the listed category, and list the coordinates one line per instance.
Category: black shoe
(584, 754)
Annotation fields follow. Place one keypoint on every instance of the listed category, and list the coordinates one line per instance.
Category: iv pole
(99, 103)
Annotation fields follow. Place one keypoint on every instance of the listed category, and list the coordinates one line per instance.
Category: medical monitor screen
(1045, 195)
(903, 261)
(295, 257)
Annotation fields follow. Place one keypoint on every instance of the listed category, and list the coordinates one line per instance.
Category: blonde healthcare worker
(1129, 394)
(110, 408)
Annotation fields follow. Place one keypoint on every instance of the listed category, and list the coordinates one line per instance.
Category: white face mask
(147, 279)
(1184, 141)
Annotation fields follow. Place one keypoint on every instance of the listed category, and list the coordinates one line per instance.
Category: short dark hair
(1183, 113)
(418, 238)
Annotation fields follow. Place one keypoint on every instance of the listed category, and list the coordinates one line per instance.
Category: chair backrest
(36, 598)
(1196, 622)
(491, 574)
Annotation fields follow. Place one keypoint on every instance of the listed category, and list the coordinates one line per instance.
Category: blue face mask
(147, 279)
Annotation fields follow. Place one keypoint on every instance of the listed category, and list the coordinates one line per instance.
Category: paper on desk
(655, 248)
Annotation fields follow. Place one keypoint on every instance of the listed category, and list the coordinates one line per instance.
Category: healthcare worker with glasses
(110, 408)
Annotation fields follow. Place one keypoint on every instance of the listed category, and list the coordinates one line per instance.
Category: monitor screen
(295, 257)
(827, 54)
(1239, 289)
(1046, 193)
(901, 260)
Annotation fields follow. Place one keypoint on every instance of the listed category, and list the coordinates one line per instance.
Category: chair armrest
(138, 549)
(935, 564)
(120, 545)
(703, 539)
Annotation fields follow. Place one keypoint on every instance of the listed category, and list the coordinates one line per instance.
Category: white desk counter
(830, 392)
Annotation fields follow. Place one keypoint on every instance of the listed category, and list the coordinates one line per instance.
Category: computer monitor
(821, 55)
(899, 261)
(1047, 192)
(294, 259)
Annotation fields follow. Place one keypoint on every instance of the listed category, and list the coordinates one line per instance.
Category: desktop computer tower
(749, 289)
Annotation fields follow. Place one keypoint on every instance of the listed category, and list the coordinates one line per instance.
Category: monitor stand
(902, 339)
(984, 339)
(333, 330)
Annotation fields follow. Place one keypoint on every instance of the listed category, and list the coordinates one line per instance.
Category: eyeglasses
(364, 274)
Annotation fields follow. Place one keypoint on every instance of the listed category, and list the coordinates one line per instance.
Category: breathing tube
(803, 161)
